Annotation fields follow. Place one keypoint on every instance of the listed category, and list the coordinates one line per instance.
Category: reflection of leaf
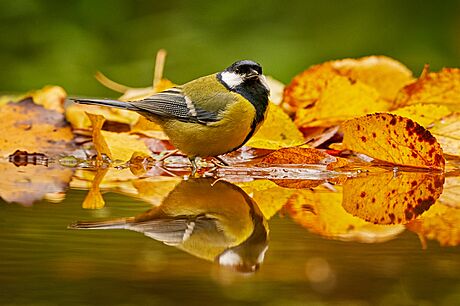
(27, 185)
(154, 189)
(94, 199)
(441, 222)
(388, 199)
(278, 131)
(270, 196)
(433, 87)
(321, 212)
(394, 139)
(447, 132)
(32, 128)
(451, 194)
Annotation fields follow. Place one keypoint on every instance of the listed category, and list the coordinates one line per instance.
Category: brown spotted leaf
(388, 198)
(393, 139)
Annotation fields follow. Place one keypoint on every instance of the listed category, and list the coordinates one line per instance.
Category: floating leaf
(123, 145)
(433, 87)
(388, 198)
(393, 139)
(29, 127)
(441, 223)
(321, 212)
(278, 131)
(298, 156)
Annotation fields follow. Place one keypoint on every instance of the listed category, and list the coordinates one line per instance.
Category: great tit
(216, 221)
(209, 116)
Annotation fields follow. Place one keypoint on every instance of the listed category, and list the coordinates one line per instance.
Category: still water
(206, 243)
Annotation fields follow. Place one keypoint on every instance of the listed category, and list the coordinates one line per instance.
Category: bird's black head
(244, 74)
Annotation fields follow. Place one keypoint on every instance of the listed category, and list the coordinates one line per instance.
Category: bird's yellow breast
(216, 138)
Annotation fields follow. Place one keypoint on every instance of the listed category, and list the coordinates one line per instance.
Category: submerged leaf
(393, 139)
(386, 198)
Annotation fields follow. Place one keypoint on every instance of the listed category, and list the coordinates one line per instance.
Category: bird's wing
(172, 231)
(173, 103)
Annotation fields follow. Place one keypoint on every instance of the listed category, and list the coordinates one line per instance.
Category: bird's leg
(220, 159)
(168, 155)
(194, 166)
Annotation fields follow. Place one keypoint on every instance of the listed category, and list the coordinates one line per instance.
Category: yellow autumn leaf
(322, 213)
(278, 131)
(341, 99)
(423, 114)
(447, 132)
(75, 114)
(50, 97)
(383, 73)
(270, 198)
(441, 87)
(123, 145)
(386, 198)
(393, 139)
(94, 199)
(97, 121)
(441, 223)
(29, 127)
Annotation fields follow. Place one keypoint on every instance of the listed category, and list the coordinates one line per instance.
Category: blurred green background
(65, 42)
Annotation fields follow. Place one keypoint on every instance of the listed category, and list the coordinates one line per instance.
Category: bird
(209, 116)
(212, 220)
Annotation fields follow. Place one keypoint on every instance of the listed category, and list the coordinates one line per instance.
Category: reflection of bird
(209, 116)
(212, 221)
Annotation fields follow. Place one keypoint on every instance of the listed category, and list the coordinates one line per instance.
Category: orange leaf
(99, 142)
(433, 87)
(385, 198)
(298, 156)
(393, 139)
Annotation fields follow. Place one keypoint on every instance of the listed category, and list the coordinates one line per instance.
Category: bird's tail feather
(105, 102)
(122, 223)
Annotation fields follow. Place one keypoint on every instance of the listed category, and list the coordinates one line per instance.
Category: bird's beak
(252, 74)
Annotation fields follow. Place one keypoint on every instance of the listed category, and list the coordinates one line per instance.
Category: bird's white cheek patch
(231, 79)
